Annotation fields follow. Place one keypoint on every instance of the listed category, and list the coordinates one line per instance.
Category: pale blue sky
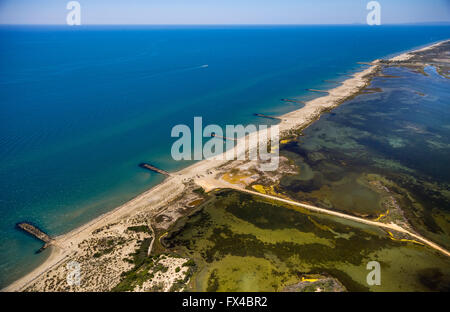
(223, 11)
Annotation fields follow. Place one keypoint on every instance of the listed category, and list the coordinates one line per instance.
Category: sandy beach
(152, 201)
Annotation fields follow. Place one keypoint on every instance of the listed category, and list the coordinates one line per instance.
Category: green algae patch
(400, 137)
(234, 273)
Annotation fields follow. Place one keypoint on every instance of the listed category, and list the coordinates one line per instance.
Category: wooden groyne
(367, 63)
(154, 169)
(293, 101)
(36, 232)
(213, 135)
(316, 90)
(266, 116)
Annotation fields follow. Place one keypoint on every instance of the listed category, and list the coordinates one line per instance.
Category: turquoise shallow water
(81, 107)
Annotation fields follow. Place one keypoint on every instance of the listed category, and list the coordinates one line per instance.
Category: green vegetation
(213, 282)
(98, 254)
(160, 267)
(140, 229)
(181, 283)
(177, 286)
(107, 246)
(141, 270)
(189, 263)
(144, 269)
(199, 191)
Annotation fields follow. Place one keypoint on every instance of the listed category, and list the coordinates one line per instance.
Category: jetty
(332, 81)
(154, 169)
(36, 232)
(266, 116)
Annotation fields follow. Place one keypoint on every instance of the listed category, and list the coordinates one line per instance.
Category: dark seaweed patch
(434, 279)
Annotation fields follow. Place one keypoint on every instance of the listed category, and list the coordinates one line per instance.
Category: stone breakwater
(36, 232)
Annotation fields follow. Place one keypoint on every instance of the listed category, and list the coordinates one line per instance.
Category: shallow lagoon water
(400, 134)
(243, 243)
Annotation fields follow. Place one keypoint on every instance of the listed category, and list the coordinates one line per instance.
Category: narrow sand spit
(66, 245)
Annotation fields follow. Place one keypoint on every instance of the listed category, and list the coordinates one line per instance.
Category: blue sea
(81, 107)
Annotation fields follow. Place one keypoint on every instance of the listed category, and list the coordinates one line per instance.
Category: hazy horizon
(443, 23)
(220, 12)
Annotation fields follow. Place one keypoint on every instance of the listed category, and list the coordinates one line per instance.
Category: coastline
(173, 186)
